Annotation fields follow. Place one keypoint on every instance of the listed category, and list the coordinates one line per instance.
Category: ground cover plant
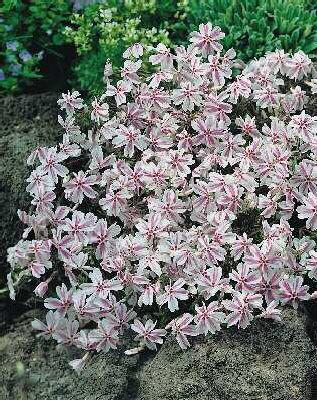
(186, 203)
(254, 27)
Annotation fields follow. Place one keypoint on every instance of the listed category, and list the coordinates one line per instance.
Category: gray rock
(32, 368)
(26, 122)
(268, 361)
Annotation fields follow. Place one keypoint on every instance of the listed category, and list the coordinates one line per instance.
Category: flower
(100, 286)
(13, 45)
(272, 312)
(194, 189)
(105, 336)
(100, 112)
(210, 282)
(136, 51)
(241, 307)
(188, 96)
(129, 138)
(292, 290)
(172, 294)
(206, 40)
(52, 324)
(309, 211)
(62, 303)
(147, 334)
(181, 328)
(15, 69)
(311, 264)
(119, 91)
(103, 236)
(71, 102)
(208, 318)
(299, 65)
(51, 163)
(246, 280)
(25, 55)
(80, 186)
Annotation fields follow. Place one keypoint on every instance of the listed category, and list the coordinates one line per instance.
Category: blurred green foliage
(37, 36)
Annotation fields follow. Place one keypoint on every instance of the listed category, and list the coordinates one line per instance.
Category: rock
(32, 368)
(268, 361)
(26, 122)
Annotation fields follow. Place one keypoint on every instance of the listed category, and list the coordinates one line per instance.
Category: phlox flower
(147, 334)
(207, 39)
(241, 307)
(100, 286)
(62, 303)
(292, 290)
(308, 211)
(129, 138)
(119, 92)
(172, 294)
(71, 102)
(106, 336)
(80, 186)
(193, 189)
(208, 318)
(188, 96)
(100, 111)
(52, 324)
(181, 327)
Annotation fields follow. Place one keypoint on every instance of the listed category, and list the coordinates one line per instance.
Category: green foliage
(103, 31)
(254, 27)
(29, 31)
(34, 29)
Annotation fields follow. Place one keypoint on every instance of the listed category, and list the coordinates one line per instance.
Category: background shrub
(104, 31)
(44, 43)
(32, 44)
(254, 27)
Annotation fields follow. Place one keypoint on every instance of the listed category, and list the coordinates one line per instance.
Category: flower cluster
(193, 196)
(18, 61)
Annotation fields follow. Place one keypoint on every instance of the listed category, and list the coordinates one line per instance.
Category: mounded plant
(185, 203)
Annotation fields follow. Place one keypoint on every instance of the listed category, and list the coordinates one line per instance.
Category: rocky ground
(268, 361)
(26, 122)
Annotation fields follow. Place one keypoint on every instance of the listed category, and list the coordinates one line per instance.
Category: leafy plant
(30, 35)
(103, 31)
(188, 205)
(254, 27)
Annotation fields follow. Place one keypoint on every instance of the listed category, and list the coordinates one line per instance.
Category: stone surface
(32, 368)
(25, 123)
(269, 361)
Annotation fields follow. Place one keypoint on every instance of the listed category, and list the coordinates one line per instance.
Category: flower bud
(41, 289)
